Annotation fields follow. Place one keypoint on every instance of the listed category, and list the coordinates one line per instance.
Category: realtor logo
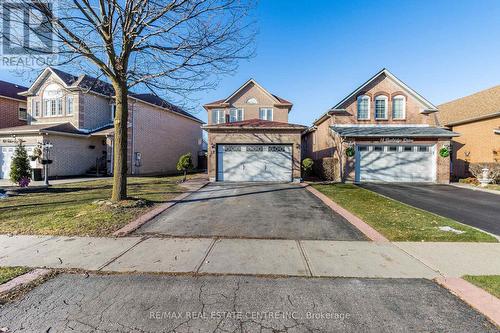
(27, 37)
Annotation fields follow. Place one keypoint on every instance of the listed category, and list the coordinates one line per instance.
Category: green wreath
(444, 152)
(350, 151)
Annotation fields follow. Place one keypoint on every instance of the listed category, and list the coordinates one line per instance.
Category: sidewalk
(252, 256)
(6, 184)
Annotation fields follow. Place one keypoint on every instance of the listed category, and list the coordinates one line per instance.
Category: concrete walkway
(252, 256)
(7, 184)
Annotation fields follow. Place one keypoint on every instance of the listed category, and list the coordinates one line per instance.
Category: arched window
(381, 107)
(52, 100)
(398, 107)
(364, 107)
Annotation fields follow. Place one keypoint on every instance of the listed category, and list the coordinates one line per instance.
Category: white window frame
(69, 105)
(236, 114)
(385, 99)
(264, 113)
(403, 98)
(359, 100)
(220, 117)
(25, 113)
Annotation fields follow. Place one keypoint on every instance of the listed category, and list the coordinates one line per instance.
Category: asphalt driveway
(252, 210)
(474, 208)
(152, 303)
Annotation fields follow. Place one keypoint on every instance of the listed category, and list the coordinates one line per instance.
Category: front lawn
(490, 283)
(398, 221)
(8, 273)
(81, 209)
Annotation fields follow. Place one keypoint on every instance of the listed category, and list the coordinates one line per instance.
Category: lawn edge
(497, 238)
(474, 296)
(361, 225)
(148, 216)
(23, 279)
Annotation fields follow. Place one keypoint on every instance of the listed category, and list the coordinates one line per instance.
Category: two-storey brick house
(250, 139)
(382, 132)
(75, 115)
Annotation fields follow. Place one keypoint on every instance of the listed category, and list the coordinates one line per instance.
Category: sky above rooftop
(314, 53)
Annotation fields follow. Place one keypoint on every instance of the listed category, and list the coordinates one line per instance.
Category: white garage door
(254, 163)
(6, 154)
(395, 163)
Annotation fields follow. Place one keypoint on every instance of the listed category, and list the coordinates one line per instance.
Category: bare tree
(171, 46)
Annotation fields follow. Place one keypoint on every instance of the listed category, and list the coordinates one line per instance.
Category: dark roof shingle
(392, 132)
(11, 90)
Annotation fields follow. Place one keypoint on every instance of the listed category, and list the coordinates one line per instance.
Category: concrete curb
(23, 279)
(475, 188)
(138, 222)
(366, 229)
(476, 297)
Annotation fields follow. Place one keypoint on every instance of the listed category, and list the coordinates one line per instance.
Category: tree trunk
(120, 142)
(185, 176)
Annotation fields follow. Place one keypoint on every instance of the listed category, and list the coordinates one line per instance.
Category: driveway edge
(474, 188)
(476, 297)
(362, 226)
(143, 219)
(23, 279)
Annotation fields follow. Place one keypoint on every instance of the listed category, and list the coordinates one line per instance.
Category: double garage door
(254, 163)
(395, 163)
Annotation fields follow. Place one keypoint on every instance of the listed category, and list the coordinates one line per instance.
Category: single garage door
(254, 163)
(6, 154)
(395, 163)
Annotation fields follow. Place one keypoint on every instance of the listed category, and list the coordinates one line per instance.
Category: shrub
(185, 164)
(476, 169)
(20, 168)
(469, 180)
(307, 165)
(327, 168)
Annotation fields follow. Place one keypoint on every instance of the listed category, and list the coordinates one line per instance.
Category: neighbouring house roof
(392, 132)
(89, 83)
(338, 107)
(60, 128)
(279, 100)
(497, 131)
(256, 124)
(481, 105)
(12, 90)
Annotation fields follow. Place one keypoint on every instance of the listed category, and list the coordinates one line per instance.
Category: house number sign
(396, 140)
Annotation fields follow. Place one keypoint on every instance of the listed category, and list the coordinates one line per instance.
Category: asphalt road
(253, 210)
(133, 303)
(474, 208)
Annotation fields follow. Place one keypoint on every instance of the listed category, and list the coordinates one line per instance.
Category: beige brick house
(381, 132)
(75, 115)
(250, 138)
(477, 119)
(12, 105)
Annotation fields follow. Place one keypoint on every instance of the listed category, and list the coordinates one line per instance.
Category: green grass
(8, 273)
(398, 221)
(495, 187)
(70, 209)
(490, 283)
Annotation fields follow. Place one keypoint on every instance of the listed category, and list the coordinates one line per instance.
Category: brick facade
(9, 112)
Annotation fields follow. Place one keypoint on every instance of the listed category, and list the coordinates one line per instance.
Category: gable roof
(384, 71)
(274, 97)
(89, 83)
(482, 104)
(12, 90)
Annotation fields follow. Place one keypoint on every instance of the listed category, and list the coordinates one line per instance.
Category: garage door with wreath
(395, 163)
(254, 163)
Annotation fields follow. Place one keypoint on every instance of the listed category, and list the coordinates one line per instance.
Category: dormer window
(363, 107)
(381, 107)
(398, 107)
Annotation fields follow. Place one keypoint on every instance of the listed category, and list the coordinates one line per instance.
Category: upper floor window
(52, 100)
(398, 107)
(218, 117)
(364, 107)
(35, 106)
(266, 113)
(235, 115)
(69, 105)
(381, 107)
(23, 114)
